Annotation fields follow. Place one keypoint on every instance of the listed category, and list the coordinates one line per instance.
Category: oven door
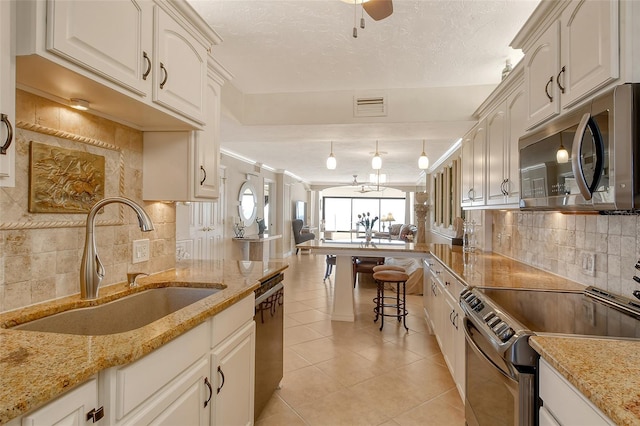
(496, 393)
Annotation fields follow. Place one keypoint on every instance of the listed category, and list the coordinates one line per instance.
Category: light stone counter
(607, 371)
(487, 269)
(36, 367)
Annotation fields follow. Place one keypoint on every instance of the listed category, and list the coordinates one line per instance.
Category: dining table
(345, 250)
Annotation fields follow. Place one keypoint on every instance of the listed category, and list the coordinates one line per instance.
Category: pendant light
(331, 160)
(376, 161)
(423, 161)
(562, 156)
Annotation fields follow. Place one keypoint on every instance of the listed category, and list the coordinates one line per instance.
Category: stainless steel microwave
(601, 167)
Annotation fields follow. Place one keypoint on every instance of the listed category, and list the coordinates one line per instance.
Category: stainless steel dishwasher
(269, 319)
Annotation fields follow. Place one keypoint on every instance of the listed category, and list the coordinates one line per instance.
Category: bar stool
(379, 268)
(399, 279)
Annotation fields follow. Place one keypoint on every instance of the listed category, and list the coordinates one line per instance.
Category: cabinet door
(208, 146)
(189, 399)
(459, 350)
(516, 116)
(69, 409)
(233, 366)
(540, 71)
(496, 155)
(7, 94)
(109, 38)
(467, 171)
(479, 145)
(448, 331)
(590, 57)
(180, 68)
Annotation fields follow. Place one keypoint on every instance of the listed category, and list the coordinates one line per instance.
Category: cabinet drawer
(138, 381)
(232, 318)
(566, 404)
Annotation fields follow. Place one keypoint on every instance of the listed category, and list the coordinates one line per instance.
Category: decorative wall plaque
(63, 180)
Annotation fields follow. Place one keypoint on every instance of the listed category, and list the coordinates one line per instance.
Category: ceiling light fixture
(376, 161)
(423, 161)
(331, 160)
(562, 156)
(79, 104)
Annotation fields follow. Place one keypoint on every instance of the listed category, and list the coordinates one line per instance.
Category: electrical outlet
(589, 263)
(140, 250)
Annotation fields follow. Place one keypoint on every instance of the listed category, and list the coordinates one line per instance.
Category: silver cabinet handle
(146, 58)
(166, 75)
(7, 143)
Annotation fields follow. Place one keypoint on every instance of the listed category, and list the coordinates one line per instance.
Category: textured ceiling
(305, 47)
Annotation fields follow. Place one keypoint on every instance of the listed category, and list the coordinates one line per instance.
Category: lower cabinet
(229, 365)
(563, 404)
(444, 315)
(70, 409)
(203, 377)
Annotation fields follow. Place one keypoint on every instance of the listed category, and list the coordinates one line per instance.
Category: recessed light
(79, 104)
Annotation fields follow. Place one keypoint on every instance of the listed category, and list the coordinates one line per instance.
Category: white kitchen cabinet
(233, 367)
(111, 39)
(473, 166)
(70, 409)
(7, 94)
(563, 404)
(180, 67)
(441, 292)
(142, 62)
(505, 126)
(193, 156)
(576, 55)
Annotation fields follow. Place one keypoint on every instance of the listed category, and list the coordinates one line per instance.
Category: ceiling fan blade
(378, 9)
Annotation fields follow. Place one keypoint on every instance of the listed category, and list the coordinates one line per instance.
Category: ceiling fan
(376, 9)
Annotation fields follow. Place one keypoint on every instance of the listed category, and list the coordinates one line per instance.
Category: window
(341, 213)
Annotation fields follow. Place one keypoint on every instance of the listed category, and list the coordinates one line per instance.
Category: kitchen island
(343, 299)
(37, 367)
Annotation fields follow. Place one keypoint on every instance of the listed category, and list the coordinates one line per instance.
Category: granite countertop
(376, 247)
(606, 371)
(37, 367)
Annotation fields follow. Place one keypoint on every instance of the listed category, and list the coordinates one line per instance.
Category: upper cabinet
(7, 95)
(194, 156)
(473, 166)
(110, 39)
(576, 55)
(141, 62)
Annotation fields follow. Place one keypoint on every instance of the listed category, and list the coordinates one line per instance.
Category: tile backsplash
(562, 243)
(40, 254)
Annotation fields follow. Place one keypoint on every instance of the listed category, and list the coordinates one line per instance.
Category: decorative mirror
(248, 203)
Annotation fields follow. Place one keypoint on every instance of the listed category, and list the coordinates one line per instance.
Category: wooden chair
(364, 265)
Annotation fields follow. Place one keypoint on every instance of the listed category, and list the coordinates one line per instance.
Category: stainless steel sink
(120, 315)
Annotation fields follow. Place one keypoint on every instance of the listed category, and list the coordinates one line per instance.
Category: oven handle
(268, 293)
(481, 354)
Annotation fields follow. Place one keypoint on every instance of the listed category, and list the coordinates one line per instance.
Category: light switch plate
(140, 251)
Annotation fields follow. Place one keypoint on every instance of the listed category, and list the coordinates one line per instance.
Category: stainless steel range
(501, 366)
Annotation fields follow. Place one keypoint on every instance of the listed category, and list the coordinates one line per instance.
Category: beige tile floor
(342, 373)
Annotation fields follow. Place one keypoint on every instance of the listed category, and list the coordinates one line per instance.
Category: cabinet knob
(558, 80)
(221, 375)
(204, 177)
(95, 414)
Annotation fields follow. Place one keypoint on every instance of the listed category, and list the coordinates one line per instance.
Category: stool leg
(377, 300)
(381, 306)
(404, 305)
(398, 301)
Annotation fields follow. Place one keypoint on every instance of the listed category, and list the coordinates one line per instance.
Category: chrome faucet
(91, 269)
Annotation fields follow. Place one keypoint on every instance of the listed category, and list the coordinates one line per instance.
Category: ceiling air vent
(369, 106)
